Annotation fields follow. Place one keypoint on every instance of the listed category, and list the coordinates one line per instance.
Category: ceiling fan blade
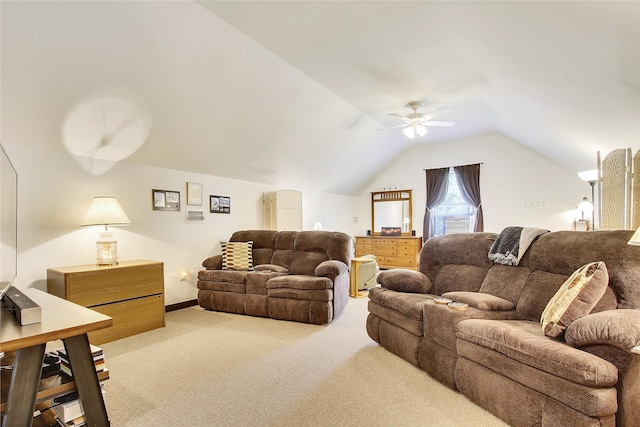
(396, 126)
(435, 113)
(399, 116)
(438, 123)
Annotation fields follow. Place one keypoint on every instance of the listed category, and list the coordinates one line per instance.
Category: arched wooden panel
(615, 190)
(635, 193)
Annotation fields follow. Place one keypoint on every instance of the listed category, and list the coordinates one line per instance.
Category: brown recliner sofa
(297, 275)
(495, 352)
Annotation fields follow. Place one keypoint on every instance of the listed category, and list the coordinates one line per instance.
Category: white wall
(54, 194)
(518, 186)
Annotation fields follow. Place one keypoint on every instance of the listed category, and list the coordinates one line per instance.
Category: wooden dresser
(132, 293)
(391, 252)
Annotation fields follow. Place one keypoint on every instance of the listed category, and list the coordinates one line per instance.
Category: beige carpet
(218, 369)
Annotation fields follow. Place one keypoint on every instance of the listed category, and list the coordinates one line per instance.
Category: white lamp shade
(589, 176)
(635, 239)
(105, 210)
(585, 206)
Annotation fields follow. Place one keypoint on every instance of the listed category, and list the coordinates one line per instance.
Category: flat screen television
(8, 222)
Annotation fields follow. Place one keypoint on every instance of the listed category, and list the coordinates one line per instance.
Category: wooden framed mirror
(391, 210)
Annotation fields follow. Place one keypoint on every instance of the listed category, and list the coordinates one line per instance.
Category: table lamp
(105, 210)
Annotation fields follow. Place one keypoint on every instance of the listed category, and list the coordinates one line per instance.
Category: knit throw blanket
(512, 243)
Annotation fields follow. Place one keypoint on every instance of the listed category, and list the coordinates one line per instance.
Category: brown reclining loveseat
(294, 275)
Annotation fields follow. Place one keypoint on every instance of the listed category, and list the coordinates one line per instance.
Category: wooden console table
(131, 292)
(61, 320)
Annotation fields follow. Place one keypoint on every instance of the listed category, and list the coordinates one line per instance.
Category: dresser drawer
(363, 247)
(361, 251)
(382, 250)
(407, 246)
(132, 293)
(130, 317)
(396, 262)
(98, 287)
(406, 252)
(379, 241)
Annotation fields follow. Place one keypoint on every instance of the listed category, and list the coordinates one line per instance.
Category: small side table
(354, 276)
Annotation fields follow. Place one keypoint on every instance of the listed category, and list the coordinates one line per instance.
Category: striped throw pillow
(237, 256)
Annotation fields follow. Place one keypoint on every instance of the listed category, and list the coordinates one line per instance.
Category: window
(454, 214)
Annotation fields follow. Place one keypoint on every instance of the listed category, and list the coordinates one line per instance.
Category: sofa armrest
(619, 328)
(402, 280)
(213, 263)
(331, 269)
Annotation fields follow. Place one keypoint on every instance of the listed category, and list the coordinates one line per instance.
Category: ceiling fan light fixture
(414, 130)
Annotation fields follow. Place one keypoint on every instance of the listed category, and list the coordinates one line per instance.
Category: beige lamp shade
(105, 210)
(635, 239)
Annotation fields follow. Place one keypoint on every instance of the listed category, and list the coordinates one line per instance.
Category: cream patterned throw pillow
(237, 256)
(576, 298)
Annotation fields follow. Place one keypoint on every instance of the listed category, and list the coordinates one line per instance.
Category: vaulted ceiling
(292, 93)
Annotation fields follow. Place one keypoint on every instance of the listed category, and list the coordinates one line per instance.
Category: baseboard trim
(180, 305)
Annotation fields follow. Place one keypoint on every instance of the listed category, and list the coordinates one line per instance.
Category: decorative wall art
(165, 200)
(220, 204)
(194, 194)
(194, 217)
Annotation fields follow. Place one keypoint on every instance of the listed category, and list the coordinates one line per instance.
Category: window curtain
(437, 185)
(469, 183)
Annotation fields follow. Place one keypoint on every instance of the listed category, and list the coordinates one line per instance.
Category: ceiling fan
(415, 123)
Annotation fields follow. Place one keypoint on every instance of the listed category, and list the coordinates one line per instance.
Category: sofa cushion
(565, 251)
(283, 249)
(305, 263)
(525, 342)
(237, 256)
(576, 298)
(540, 287)
(481, 301)
(402, 280)
(459, 277)
(263, 243)
(505, 281)
(313, 247)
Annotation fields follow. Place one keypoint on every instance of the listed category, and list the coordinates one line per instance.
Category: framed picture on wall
(219, 204)
(194, 194)
(165, 200)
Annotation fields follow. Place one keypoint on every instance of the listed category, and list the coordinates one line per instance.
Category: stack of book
(69, 411)
(68, 408)
(96, 353)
